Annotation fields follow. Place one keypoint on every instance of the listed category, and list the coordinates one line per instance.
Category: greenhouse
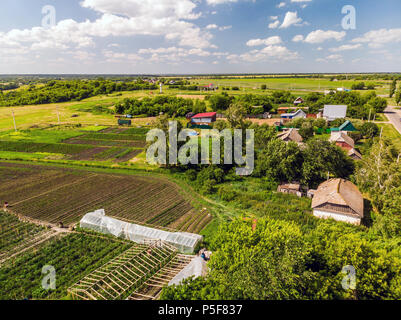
(98, 221)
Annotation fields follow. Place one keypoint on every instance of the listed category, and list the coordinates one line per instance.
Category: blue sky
(198, 36)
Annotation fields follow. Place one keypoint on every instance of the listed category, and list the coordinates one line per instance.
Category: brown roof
(339, 192)
(291, 134)
(340, 136)
(354, 153)
(290, 186)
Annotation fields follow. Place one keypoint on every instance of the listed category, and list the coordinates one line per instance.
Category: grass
(392, 134)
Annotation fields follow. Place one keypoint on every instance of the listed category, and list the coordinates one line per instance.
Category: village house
(290, 188)
(286, 117)
(204, 118)
(333, 112)
(340, 200)
(290, 135)
(347, 126)
(343, 140)
(298, 101)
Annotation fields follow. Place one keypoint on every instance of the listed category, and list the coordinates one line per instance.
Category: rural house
(204, 118)
(290, 135)
(340, 200)
(333, 112)
(285, 117)
(342, 140)
(290, 188)
(298, 101)
(347, 126)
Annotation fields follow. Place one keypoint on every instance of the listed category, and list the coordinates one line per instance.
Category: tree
(322, 157)
(236, 115)
(264, 87)
(393, 87)
(220, 102)
(306, 131)
(398, 96)
(377, 104)
(279, 161)
(379, 173)
(369, 130)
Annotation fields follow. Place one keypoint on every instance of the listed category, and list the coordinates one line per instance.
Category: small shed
(290, 188)
(354, 154)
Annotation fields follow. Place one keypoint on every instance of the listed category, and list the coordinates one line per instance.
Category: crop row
(31, 147)
(113, 136)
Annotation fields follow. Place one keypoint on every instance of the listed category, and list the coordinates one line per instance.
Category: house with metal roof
(333, 112)
(346, 126)
(340, 200)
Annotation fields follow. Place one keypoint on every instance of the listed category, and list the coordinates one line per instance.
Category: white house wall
(202, 120)
(335, 216)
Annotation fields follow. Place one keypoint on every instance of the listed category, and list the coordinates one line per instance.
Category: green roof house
(346, 126)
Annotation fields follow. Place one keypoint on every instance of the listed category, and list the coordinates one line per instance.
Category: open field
(54, 196)
(74, 144)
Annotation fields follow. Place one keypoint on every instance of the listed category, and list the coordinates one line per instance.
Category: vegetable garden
(56, 196)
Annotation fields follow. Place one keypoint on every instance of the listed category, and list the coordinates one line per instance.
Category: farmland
(63, 196)
(72, 255)
(108, 144)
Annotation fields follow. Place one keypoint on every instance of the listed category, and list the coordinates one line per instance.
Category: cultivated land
(62, 196)
(53, 172)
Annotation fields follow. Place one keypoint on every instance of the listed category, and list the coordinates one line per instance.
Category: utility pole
(15, 124)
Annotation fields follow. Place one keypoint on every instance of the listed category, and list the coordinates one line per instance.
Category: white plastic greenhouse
(98, 221)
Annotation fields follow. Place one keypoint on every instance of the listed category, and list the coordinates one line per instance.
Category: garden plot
(63, 196)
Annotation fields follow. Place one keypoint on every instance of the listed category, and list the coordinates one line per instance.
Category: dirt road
(394, 116)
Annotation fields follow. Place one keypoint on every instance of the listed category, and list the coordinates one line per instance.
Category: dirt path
(394, 117)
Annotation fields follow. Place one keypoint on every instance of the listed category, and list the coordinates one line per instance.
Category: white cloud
(332, 58)
(301, 1)
(320, 36)
(298, 38)
(273, 18)
(378, 38)
(169, 18)
(274, 24)
(346, 47)
(212, 26)
(267, 42)
(215, 2)
(281, 5)
(272, 53)
(291, 18)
